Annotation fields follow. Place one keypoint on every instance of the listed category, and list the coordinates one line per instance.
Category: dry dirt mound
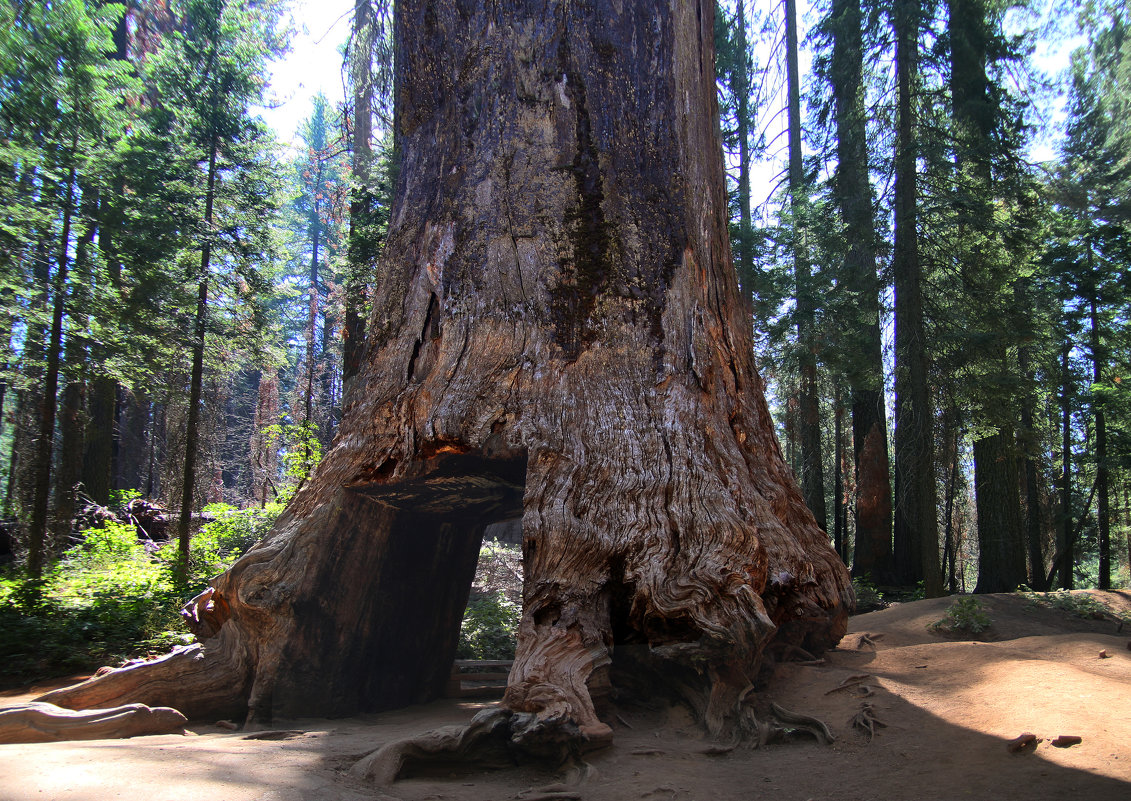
(942, 712)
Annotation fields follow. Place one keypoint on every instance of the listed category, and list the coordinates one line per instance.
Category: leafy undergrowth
(1080, 604)
(108, 599)
(965, 616)
(490, 621)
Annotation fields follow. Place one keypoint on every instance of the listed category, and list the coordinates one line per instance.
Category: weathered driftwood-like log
(185, 679)
(40, 722)
(557, 333)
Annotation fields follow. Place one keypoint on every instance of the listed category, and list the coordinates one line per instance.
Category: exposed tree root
(196, 680)
(850, 682)
(1023, 743)
(498, 738)
(46, 723)
(794, 722)
(485, 742)
(866, 721)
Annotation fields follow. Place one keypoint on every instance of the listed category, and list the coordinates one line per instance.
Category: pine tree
(809, 413)
(859, 330)
(59, 109)
(319, 210)
(1095, 234)
(916, 521)
(207, 75)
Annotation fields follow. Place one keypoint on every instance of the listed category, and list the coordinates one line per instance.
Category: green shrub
(119, 499)
(966, 615)
(108, 600)
(868, 596)
(1080, 604)
(489, 628)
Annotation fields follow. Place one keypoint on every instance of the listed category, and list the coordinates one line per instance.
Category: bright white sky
(313, 64)
(321, 27)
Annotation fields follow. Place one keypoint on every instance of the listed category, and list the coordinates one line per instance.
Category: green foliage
(120, 498)
(108, 599)
(868, 596)
(489, 627)
(1080, 604)
(105, 601)
(964, 615)
(301, 452)
(114, 542)
(225, 539)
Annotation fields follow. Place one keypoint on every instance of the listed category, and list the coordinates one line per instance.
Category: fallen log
(39, 722)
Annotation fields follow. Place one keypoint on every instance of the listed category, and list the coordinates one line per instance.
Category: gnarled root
(46, 723)
(786, 723)
(201, 681)
(495, 738)
(485, 742)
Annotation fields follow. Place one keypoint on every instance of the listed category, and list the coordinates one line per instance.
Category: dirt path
(948, 707)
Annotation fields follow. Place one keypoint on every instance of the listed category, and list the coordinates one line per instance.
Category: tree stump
(557, 333)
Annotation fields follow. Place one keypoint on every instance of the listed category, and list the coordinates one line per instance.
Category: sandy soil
(948, 707)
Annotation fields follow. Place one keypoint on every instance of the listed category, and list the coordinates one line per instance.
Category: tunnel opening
(436, 522)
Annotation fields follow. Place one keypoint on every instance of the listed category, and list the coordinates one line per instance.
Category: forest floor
(948, 708)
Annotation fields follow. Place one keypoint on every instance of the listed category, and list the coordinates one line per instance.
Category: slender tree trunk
(361, 236)
(69, 471)
(1103, 510)
(839, 532)
(916, 520)
(157, 451)
(1029, 477)
(264, 442)
(37, 527)
(866, 372)
(102, 391)
(311, 332)
(558, 333)
(98, 453)
(29, 401)
(196, 381)
(6, 320)
(809, 411)
(951, 436)
(1065, 544)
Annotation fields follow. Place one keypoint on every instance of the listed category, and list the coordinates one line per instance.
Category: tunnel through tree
(557, 329)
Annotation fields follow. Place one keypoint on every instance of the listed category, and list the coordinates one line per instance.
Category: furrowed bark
(866, 372)
(809, 412)
(556, 333)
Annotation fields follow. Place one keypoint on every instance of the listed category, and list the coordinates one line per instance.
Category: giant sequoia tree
(556, 334)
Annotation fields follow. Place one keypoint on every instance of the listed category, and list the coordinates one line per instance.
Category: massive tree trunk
(1000, 535)
(1001, 547)
(556, 333)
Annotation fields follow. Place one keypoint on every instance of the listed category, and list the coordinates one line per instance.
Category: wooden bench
(478, 678)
